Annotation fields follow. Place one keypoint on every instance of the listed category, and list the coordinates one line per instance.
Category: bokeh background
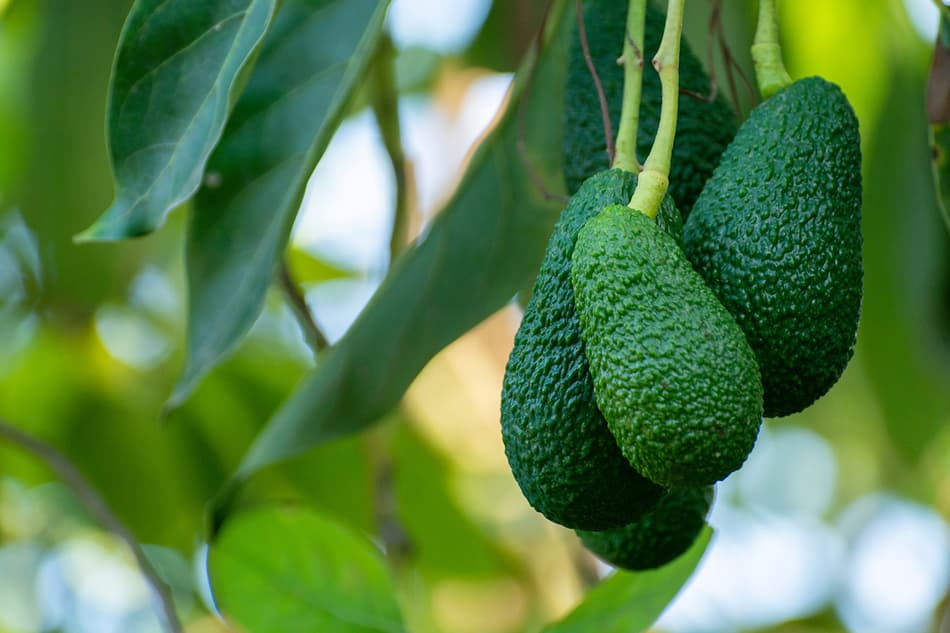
(838, 522)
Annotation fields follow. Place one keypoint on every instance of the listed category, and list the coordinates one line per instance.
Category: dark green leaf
(484, 246)
(315, 55)
(292, 570)
(631, 602)
(176, 73)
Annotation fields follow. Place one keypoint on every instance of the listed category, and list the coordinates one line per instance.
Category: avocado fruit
(659, 536)
(673, 374)
(563, 457)
(776, 234)
(704, 127)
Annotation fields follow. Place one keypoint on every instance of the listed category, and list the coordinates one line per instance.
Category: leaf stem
(93, 502)
(312, 333)
(655, 178)
(385, 97)
(632, 62)
(767, 53)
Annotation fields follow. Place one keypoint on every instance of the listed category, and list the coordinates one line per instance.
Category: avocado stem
(767, 53)
(632, 62)
(655, 178)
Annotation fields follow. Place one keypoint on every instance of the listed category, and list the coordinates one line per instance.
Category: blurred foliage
(92, 336)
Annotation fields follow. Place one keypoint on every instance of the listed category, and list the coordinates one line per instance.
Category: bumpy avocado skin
(703, 129)
(776, 234)
(673, 373)
(561, 454)
(659, 536)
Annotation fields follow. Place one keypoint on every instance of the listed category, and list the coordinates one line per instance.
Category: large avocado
(557, 443)
(673, 373)
(659, 536)
(703, 129)
(776, 234)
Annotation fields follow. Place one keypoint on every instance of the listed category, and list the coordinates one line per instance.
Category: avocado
(673, 373)
(776, 233)
(659, 536)
(703, 129)
(561, 454)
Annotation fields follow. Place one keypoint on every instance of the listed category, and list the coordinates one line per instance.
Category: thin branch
(534, 174)
(298, 305)
(386, 109)
(604, 108)
(732, 65)
(396, 541)
(98, 508)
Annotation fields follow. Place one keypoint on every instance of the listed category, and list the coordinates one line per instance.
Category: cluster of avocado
(651, 349)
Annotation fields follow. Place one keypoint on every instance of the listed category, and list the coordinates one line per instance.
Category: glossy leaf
(309, 66)
(176, 73)
(484, 246)
(292, 570)
(631, 602)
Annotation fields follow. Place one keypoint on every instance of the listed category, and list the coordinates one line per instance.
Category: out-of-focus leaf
(308, 68)
(176, 73)
(631, 602)
(902, 338)
(480, 251)
(938, 111)
(309, 269)
(292, 570)
(444, 540)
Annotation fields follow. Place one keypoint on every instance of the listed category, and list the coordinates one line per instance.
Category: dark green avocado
(673, 373)
(776, 233)
(659, 536)
(703, 130)
(561, 454)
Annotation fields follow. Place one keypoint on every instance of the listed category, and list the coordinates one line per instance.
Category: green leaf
(176, 74)
(292, 570)
(630, 602)
(902, 335)
(484, 246)
(306, 268)
(313, 59)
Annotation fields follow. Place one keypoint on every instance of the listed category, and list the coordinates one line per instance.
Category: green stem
(632, 60)
(655, 178)
(767, 53)
(386, 109)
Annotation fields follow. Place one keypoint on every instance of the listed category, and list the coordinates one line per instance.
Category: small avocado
(673, 373)
(704, 127)
(561, 454)
(776, 233)
(659, 536)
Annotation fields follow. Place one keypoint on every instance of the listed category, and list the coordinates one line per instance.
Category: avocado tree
(692, 231)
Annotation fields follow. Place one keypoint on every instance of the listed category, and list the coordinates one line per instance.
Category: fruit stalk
(767, 53)
(632, 62)
(655, 179)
